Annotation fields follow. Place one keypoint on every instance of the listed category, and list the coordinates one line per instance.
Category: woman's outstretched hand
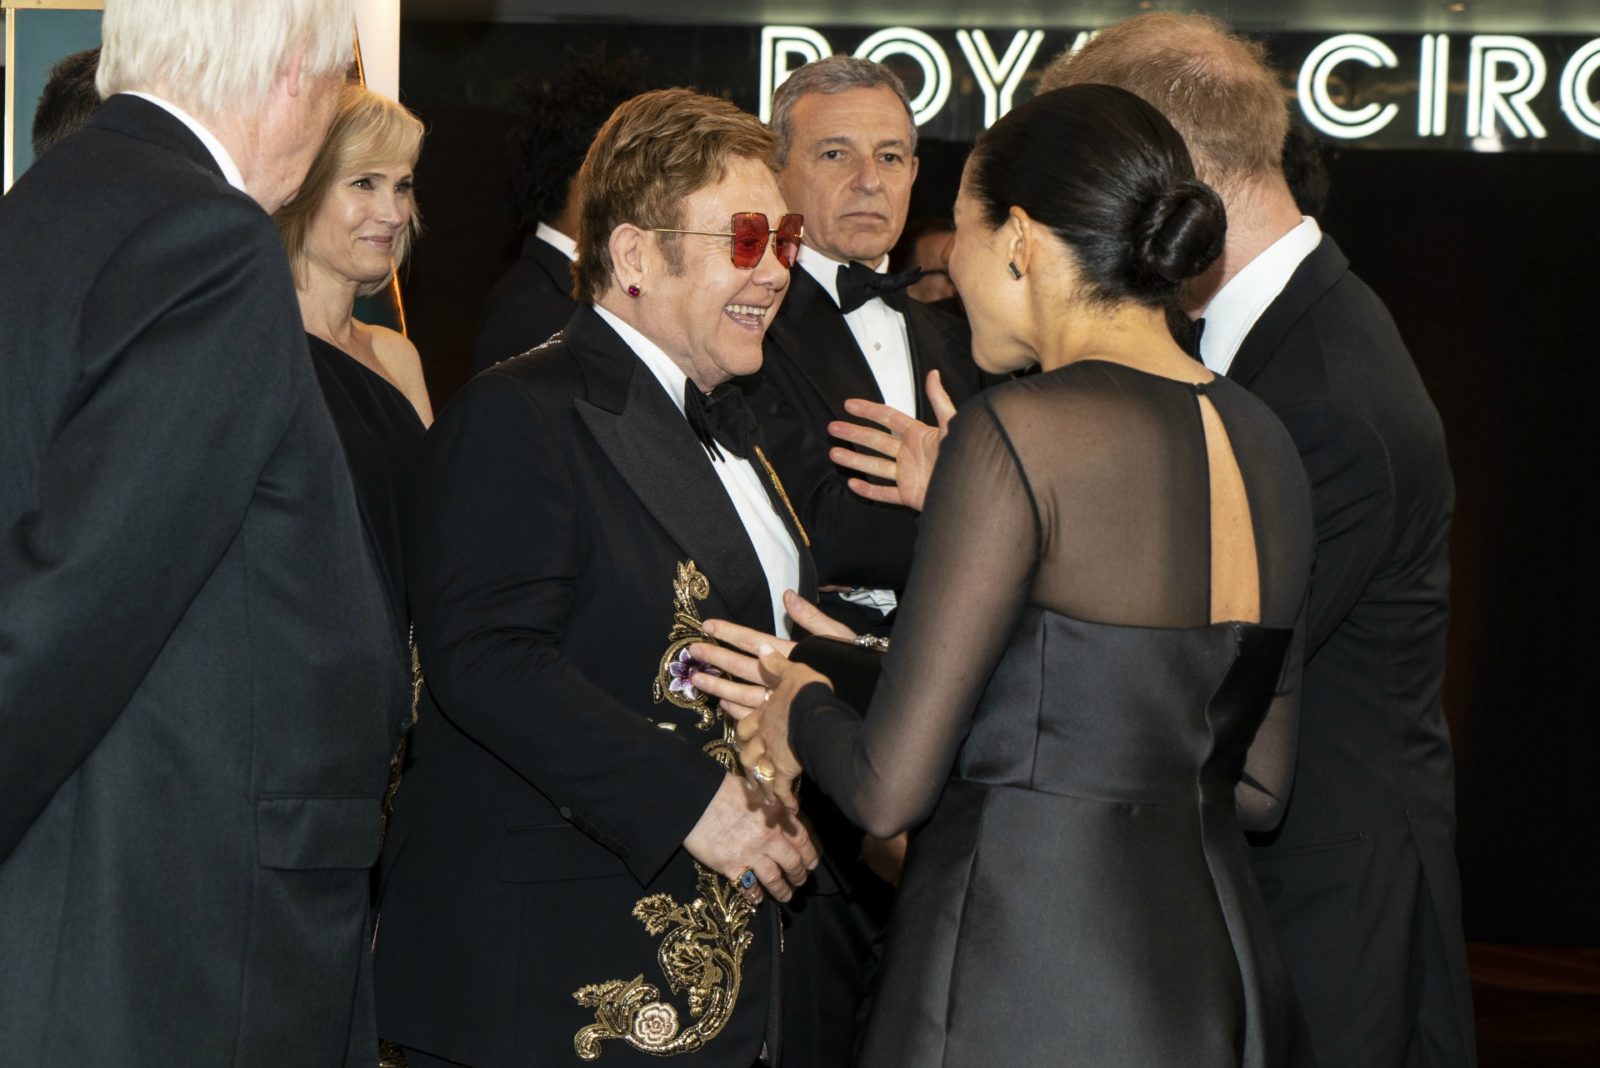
(756, 686)
(763, 731)
(740, 687)
(911, 447)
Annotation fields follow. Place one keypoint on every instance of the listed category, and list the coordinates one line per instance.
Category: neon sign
(1487, 91)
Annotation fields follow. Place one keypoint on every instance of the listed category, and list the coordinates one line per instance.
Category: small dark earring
(1015, 274)
(633, 291)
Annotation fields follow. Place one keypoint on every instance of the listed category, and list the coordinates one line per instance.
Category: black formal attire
(1361, 879)
(1086, 738)
(812, 365)
(529, 303)
(382, 435)
(556, 497)
(198, 680)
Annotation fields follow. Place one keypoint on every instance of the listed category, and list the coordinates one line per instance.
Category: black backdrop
(1489, 265)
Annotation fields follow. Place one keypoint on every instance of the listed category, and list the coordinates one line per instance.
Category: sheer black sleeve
(976, 548)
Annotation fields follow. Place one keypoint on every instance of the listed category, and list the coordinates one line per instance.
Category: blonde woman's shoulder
(403, 366)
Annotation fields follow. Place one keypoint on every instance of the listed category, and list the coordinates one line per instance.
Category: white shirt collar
(230, 169)
(825, 269)
(669, 374)
(1234, 309)
(557, 240)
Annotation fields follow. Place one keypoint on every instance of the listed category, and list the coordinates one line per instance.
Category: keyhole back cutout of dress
(1235, 574)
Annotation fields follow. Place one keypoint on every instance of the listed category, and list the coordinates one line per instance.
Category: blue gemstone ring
(747, 881)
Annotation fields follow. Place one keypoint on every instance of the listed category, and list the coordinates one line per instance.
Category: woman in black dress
(347, 231)
(1093, 680)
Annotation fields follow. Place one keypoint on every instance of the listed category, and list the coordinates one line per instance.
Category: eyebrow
(849, 142)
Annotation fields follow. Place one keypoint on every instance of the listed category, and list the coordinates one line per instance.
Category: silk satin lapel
(1317, 274)
(812, 331)
(652, 447)
(928, 343)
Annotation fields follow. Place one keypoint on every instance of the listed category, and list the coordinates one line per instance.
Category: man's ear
(292, 73)
(629, 255)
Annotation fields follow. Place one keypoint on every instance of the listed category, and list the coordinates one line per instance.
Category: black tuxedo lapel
(134, 116)
(930, 341)
(813, 333)
(1317, 274)
(650, 444)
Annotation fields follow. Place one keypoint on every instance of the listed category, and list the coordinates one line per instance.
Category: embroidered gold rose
(701, 957)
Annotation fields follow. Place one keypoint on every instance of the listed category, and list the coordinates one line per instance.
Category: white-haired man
(199, 680)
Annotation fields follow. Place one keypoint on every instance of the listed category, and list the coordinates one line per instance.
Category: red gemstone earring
(633, 291)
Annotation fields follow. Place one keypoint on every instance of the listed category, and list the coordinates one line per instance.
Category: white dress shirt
(881, 334)
(230, 169)
(879, 330)
(780, 559)
(1237, 306)
(557, 240)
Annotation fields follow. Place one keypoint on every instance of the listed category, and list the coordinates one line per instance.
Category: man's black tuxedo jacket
(812, 366)
(529, 303)
(1361, 878)
(200, 682)
(556, 497)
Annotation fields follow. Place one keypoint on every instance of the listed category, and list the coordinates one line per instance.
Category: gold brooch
(703, 956)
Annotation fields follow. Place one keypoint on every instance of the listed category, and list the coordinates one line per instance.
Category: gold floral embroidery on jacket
(672, 676)
(701, 957)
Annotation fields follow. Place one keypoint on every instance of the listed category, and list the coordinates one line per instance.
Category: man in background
(533, 299)
(1361, 878)
(925, 245)
(69, 98)
(199, 684)
(847, 153)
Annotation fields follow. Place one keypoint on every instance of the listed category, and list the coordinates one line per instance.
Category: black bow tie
(859, 284)
(719, 418)
(1187, 332)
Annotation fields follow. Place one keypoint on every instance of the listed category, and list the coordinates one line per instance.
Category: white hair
(219, 57)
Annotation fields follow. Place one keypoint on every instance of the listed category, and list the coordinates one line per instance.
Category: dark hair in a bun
(1111, 178)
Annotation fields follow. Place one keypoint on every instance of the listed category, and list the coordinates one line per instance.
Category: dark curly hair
(561, 117)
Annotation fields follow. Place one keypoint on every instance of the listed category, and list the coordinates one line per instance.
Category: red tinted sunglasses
(747, 238)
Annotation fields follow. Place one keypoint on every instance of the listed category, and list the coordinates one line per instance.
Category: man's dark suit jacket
(812, 366)
(200, 682)
(530, 302)
(557, 495)
(1361, 878)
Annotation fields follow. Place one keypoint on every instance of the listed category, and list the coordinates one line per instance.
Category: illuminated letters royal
(1488, 91)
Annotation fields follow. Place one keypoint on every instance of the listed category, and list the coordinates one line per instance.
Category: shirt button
(877, 346)
(566, 813)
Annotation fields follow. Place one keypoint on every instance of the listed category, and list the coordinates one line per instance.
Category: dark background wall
(1488, 264)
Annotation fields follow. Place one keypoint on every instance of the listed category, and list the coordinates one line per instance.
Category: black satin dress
(381, 433)
(1087, 740)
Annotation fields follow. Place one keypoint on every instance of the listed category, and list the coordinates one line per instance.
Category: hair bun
(1178, 234)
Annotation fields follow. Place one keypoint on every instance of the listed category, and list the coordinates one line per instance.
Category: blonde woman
(346, 231)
